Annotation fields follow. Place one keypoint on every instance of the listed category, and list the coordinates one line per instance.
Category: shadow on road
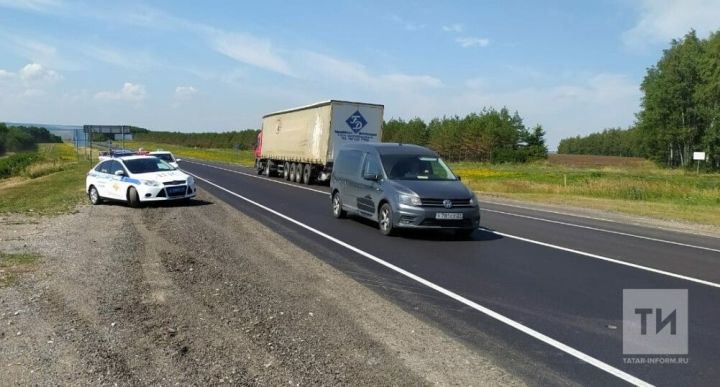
(479, 235)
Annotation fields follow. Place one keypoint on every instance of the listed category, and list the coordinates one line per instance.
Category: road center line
(528, 240)
(488, 312)
(604, 230)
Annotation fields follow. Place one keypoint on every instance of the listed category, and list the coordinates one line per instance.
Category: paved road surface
(540, 291)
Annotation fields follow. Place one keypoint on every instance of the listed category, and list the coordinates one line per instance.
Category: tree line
(680, 109)
(609, 142)
(246, 139)
(489, 136)
(22, 139)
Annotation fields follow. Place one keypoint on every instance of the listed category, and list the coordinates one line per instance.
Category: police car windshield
(413, 167)
(164, 156)
(147, 165)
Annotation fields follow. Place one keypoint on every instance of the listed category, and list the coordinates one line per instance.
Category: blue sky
(572, 66)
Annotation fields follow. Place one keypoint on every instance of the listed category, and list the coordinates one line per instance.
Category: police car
(167, 156)
(136, 179)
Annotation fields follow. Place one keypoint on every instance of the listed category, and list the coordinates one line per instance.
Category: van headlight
(409, 200)
(473, 200)
(151, 183)
(190, 180)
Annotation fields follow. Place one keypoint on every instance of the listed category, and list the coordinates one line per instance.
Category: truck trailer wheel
(286, 171)
(291, 175)
(299, 172)
(268, 168)
(307, 174)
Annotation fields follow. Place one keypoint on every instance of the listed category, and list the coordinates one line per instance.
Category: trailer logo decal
(356, 122)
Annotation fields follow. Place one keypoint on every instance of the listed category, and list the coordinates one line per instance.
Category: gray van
(401, 186)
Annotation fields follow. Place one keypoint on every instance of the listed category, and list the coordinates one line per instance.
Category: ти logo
(655, 321)
(356, 121)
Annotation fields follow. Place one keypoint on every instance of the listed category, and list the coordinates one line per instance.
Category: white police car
(167, 156)
(136, 179)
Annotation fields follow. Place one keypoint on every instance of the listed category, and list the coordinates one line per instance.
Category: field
(52, 184)
(626, 185)
(243, 157)
(619, 184)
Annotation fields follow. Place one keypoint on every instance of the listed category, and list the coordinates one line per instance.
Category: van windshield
(413, 167)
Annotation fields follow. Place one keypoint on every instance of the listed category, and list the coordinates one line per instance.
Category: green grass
(242, 157)
(13, 264)
(641, 189)
(54, 185)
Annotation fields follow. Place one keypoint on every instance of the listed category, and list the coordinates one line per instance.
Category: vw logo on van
(447, 203)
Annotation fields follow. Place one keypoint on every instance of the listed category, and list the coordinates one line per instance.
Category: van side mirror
(371, 176)
(459, 178)
(178, 160)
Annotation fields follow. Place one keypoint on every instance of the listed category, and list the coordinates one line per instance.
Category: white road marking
(579, 252)
(488, 312)
(602, 258)
(581, 216)
(604, 230)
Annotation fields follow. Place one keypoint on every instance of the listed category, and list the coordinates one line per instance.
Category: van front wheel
(385, 222)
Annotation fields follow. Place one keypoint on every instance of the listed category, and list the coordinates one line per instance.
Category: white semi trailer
(300, 144)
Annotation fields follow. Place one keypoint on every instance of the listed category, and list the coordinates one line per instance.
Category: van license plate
(449, 215)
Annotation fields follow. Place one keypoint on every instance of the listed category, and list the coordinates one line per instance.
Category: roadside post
(237, 148)
(698, 156)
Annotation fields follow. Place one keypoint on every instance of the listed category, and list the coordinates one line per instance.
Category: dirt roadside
(204, 295)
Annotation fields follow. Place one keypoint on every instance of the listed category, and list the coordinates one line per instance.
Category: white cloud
(468, 42)
(407, 25)
(663, 20)
(123, 59)
(185, 92)
(323, 67)
(129, 92)
(35, 72)
(475, 83)
(31, 5)
(250, 50)
(599, 101)
(457, 28)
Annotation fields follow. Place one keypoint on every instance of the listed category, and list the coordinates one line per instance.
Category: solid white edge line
(497, 316)
(612, 260)
(545, 244)
(604, 230)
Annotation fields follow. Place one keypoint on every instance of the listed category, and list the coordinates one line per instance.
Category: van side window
(348, 162)
(371, 165)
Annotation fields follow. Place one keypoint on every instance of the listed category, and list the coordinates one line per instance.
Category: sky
(573, 67)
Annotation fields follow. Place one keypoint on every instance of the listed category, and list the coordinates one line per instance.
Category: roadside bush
(15, 164)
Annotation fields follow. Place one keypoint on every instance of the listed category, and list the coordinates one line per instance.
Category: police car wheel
(133, 198)
(94, 196)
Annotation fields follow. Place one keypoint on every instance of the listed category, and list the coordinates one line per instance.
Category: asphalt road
(541, 292)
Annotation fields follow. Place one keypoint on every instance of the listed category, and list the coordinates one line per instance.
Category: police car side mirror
(120, 173)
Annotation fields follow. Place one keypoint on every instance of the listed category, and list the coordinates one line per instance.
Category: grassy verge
(13, 264)
(53, 185)
(242, 157)
(635, 187)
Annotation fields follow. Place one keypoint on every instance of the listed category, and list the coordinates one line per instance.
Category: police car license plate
(449, 215)
(176, 191)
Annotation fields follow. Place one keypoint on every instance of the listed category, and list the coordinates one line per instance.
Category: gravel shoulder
(202, 294)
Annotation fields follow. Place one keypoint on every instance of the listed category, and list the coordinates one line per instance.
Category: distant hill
(66, 132)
